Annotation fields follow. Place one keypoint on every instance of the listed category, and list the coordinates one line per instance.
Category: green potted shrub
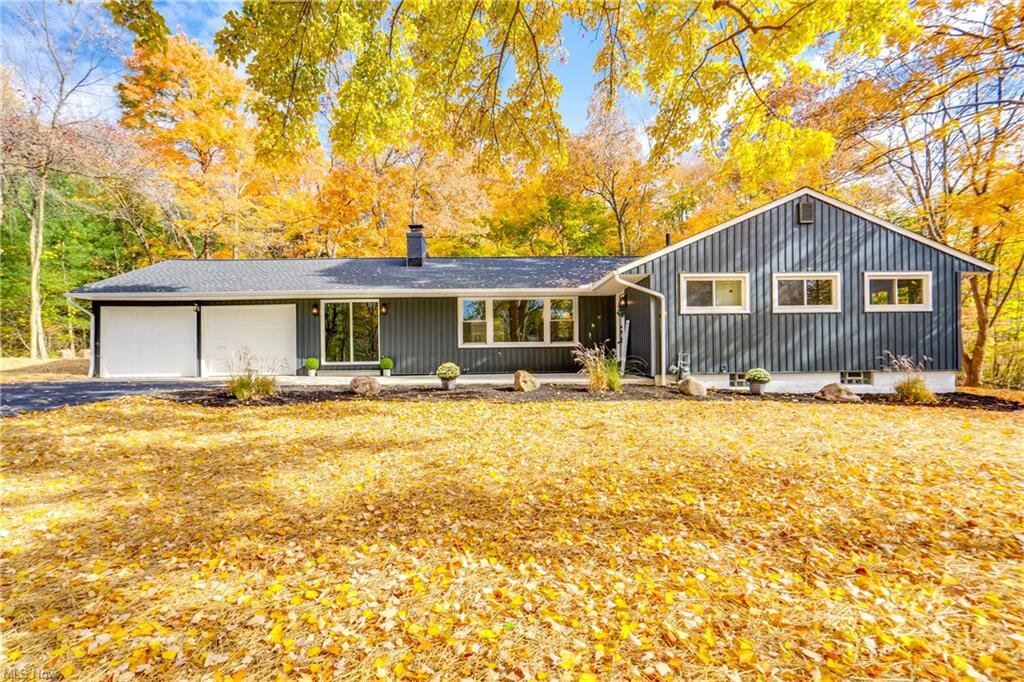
(448, 372)
(312, 365)
(386, 365)
(756, 378)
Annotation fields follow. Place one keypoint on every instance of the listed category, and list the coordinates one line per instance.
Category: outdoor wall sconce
(315, 309)
(383, 308)
(195, 307)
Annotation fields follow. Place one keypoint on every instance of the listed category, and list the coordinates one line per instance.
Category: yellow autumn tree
(224, 199)
(364, 206)
(940, 127)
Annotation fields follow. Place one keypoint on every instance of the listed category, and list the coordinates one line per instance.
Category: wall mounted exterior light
(315, 309)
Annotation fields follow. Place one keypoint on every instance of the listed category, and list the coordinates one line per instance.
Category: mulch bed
(213, 397)
(964, 400)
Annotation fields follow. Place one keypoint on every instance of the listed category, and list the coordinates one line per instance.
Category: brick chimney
(415, 246)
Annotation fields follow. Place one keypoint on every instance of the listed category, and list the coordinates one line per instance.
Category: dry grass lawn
(18, 370)
(478, 540)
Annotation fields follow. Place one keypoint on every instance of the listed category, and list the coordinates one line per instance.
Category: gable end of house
(804, 209)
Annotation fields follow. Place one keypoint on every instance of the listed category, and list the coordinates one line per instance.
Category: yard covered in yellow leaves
(473, 539)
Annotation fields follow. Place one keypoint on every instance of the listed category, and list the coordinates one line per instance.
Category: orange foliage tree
(225, 199)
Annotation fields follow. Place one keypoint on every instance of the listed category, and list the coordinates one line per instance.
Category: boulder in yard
(524, 382)
(837, 393)
(690, 386)
(365, 386)
(67, 354)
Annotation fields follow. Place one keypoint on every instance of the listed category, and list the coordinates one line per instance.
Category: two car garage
(195, 340)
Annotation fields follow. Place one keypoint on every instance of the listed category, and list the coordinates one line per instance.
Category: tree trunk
(37, 349)
(973, 360)
(975, 357)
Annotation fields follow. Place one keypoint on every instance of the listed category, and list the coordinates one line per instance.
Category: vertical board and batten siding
(641, 316)
(773, 242)
(421, 333)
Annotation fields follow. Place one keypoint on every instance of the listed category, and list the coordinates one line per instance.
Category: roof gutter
(661, 378)
(92, 332)
(190, 297)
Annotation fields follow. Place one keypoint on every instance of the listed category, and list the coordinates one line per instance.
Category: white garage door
(265, 332)
(147, 341)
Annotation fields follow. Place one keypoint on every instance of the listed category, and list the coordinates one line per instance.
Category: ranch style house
(810, 288)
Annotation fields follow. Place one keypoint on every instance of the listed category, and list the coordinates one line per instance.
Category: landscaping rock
(837, 393)
(524, 382)
(67, 354)
(690, 386)
(365, 386)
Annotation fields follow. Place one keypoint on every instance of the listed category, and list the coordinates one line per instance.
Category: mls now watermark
(28, 673)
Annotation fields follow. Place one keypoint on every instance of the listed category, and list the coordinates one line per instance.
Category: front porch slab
(429, 380)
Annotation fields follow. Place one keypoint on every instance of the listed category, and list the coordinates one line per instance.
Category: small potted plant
(386, 365)
(312, 365)
(448, 372)
(756, 378)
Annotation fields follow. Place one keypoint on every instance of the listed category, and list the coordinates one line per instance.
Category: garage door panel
(267, 332)
(147, 341)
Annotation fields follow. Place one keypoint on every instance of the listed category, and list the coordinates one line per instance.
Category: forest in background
(321, 129)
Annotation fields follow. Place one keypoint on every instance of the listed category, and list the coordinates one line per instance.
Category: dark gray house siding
(421, 333)
(641, 315)
(839, 241)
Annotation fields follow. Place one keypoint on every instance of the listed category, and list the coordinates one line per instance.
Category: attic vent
(805, 213)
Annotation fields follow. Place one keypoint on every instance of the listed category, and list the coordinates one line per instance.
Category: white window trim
(323, 331)
(489, 322)
(744, 278)
(925, 307)
(837, 295)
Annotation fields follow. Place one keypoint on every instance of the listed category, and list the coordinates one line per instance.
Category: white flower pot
(385, 372)
(311, 372)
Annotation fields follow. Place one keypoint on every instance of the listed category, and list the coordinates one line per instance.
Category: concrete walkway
(430, 380)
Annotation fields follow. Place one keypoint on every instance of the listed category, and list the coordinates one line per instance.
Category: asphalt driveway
(49, 395)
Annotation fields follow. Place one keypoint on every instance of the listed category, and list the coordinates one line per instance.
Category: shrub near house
(448, 372)
(912, 387)
(251, 378)
(601, 368)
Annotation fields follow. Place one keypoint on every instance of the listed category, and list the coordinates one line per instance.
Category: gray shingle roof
(251, 278)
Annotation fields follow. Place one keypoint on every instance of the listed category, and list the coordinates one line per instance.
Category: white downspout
(661, 378)
(92, 333)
